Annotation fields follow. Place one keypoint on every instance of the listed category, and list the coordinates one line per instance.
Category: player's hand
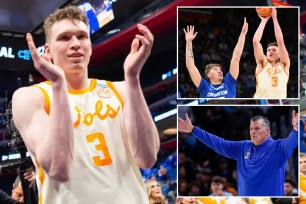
(185, 125)
(295, 120)
(139, 53)
(189, 34)
(245, 27)
(43, 63)
(29, 175)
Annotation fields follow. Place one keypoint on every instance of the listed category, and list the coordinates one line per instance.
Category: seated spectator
(217, 187)
(154, 192)
(289, 188)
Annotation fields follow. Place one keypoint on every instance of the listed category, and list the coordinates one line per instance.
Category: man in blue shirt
(261, 162)
(215, 85)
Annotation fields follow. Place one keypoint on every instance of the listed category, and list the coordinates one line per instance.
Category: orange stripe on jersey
(40, 198)
(46, 97)
(112, 87)
(92, 86)
(93, 83)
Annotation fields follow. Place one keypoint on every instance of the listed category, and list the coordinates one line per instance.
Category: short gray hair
(265, 120)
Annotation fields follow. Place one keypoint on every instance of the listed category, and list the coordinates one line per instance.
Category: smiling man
(261, 162)
(87, 137)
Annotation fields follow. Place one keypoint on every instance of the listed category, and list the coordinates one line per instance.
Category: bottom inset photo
(237, 150)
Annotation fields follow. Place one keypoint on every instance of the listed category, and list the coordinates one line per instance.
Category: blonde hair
(161, 200)
(70, 12)
(209, 67)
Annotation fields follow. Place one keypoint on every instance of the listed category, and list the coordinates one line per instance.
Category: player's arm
(258, 50)
(141, 132)
(192, 69)
(283, 53)
(48, 137)
(291, 142)
(234, 66)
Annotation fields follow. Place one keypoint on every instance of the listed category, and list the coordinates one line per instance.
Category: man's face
(288, 189)
(303, 165)
(258, 132)
(17, 193)
(69, 45)
(272, 54)
(215, 74)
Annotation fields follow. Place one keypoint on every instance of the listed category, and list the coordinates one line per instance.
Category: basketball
(264, 11)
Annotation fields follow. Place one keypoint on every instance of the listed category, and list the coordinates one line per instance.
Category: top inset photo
(247, 53)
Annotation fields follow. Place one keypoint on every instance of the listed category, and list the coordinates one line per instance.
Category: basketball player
(272, 70)
(88, 136)
(261, 162)
(215, 85)
(302, 178)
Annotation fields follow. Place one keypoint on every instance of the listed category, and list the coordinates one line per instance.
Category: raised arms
(141, 132)
(48, 136)
(192, 69)
(234, 66)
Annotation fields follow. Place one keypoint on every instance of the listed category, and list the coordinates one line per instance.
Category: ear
(48, 51)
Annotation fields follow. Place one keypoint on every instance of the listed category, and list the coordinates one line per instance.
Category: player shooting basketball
(272, 70)
(214, 85)
(261, 162)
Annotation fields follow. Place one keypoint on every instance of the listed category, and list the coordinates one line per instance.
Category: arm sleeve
(226, 148)
(203, 88)
(289, 144)
(229, 79)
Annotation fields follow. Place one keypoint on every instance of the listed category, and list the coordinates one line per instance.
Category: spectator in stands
(187, 200)
(17, 191)
(289, 188)
(302, 178)
(214, 85)
(217, 187)
(6, 199)
(154, 192)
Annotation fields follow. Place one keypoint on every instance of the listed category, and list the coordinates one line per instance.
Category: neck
(77, 81)
(216, 82)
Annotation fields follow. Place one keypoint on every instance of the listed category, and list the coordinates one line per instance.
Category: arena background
(158, 77)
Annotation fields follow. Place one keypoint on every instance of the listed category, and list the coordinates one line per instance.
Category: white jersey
(103, 170)
(271, 82)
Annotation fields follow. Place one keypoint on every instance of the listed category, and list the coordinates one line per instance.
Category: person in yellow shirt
(302, 178)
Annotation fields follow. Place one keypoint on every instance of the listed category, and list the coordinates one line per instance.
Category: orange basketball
(264, 11)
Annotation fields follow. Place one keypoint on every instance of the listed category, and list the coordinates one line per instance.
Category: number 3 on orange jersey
(100, 147)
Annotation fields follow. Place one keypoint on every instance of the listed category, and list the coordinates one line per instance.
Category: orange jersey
(102, 169)
(302, 189)
(271, 82)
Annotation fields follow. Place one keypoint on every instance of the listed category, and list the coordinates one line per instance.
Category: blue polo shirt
(227, 89)
(260, 168)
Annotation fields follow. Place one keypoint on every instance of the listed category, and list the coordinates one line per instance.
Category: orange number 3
(100, 147)
(274, 81)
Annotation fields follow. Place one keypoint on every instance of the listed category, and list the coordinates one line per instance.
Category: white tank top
(271, 82)
(103, 170)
